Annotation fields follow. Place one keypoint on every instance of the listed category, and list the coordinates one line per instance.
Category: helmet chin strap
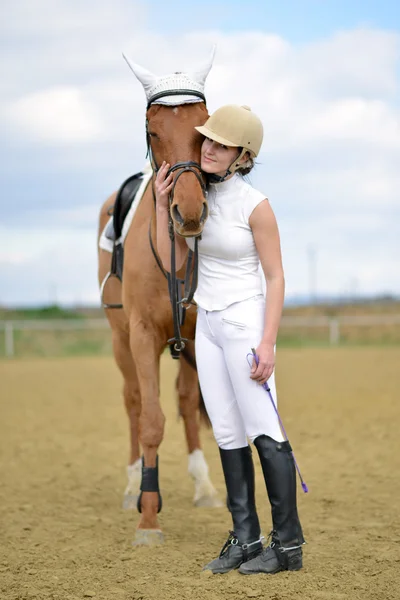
(214, 178)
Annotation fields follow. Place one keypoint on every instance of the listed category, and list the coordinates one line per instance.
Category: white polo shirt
(228, 259)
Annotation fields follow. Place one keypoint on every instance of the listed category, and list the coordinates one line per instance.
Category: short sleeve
(190, 242)
(253, 199)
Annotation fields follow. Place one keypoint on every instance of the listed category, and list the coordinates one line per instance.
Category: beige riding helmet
(234, 125)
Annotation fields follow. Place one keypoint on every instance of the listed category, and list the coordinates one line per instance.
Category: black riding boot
(244, 542)
(285, 552)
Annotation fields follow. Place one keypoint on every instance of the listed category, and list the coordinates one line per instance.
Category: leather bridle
(179, 304)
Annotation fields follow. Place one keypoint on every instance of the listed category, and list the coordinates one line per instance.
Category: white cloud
(356, 119)
(369, 188)
(360, 61)
(42, 266)
(54, 18)
(56, 116)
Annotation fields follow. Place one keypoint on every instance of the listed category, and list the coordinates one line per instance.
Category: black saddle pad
(123, 202)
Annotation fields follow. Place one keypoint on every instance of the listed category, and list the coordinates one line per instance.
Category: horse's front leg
(134, 468)
(123, 357)
(188, 392)
(146, 348)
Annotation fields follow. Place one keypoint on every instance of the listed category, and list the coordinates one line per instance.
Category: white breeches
(239, 408)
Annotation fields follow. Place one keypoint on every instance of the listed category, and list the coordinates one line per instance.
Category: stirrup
(103, 285)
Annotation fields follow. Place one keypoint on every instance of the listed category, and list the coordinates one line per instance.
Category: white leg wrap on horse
(132, 490)
(205, 494)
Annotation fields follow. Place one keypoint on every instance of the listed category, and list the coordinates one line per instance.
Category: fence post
(334, 331)
(9, 338)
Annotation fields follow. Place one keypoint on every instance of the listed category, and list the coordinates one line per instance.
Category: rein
(179, 304)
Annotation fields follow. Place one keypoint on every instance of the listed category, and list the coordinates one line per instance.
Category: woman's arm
(266, 237)
(163, 186)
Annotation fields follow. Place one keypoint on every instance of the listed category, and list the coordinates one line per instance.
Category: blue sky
(297, 20)
(324, 77)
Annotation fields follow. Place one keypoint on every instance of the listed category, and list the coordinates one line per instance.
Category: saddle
(123, 202)
(125, 197)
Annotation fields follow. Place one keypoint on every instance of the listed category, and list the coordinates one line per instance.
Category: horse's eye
(153, 135)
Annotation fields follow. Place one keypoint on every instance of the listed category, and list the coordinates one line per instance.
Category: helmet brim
(214, 136)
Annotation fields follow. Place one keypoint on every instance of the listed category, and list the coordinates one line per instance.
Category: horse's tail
(204, 418)
(191, 360)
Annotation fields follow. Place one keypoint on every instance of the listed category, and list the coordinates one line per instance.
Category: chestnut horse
(141, 329)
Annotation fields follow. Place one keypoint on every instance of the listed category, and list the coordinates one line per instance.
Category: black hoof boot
(233, 555)
(273, 559)
(149, 484)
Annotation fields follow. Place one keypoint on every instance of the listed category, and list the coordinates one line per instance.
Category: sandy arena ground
(63, 444)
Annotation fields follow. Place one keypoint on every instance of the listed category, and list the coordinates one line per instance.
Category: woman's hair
(245, 170)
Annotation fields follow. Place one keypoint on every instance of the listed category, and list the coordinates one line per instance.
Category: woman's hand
(266, 363)
(163, 186)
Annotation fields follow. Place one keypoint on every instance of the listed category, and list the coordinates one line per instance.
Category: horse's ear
(200, 74)
(146, 78)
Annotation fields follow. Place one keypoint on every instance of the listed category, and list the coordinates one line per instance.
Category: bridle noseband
(179, 305)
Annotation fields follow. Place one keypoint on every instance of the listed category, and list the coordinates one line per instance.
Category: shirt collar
(227, 185)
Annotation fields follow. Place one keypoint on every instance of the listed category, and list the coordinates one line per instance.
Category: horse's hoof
(208, 502)
(130, 502)
(148, 537)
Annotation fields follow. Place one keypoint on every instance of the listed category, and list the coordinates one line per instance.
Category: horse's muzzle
(189, 226)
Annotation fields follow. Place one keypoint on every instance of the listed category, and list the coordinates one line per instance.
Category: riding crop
(268, 390)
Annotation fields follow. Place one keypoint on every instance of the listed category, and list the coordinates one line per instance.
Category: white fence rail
(333, 325)
(9, 328)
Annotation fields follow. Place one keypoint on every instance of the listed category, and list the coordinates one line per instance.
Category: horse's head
(173, 138)
(176, 105)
